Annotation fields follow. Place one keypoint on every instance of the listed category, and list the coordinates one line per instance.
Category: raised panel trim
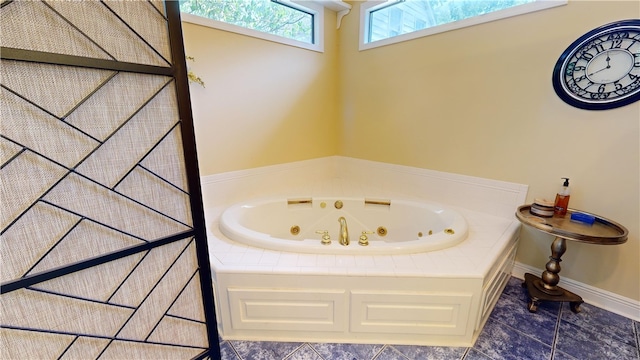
(410, 312)
(293, 309)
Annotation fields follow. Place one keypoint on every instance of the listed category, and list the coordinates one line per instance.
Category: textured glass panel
(95, 283)
(158, 194)
(57, 89)
(147, 274)
(17, 195)
(115, 102)
(189, 305)
(167, 162)
(111, 34)
(119, 350)
(8, 150)
(50, 33)
(38, 310)
(85, 348)
(159, 300)
(22, 344)
(86, 240)
(75, 304)
(147, 21)
(31, 238)
(106, 207)
(29, 126)
(120, 153)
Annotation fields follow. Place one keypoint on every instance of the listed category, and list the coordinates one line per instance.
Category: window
(387, 22)
(294, 23)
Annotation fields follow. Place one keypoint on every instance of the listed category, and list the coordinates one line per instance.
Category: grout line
(556, 332)
(295, 351)
(525, 334)
(393, 349)
(636, 327)
(375, 357)
(316, 352)
(483, 353)
(234, 350)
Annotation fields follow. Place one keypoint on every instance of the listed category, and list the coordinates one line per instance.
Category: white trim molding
(591, 295)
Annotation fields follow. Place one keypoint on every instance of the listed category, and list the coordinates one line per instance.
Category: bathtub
(274, 285)
(375, 226)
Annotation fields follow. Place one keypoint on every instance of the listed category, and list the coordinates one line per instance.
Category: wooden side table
(602, 232)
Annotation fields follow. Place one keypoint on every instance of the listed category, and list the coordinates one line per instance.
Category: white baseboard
(591, 295)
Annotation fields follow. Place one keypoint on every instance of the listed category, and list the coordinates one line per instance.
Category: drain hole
(295, 230)
(382, 231)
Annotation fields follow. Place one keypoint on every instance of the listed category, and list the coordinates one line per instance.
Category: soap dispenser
(562, 199)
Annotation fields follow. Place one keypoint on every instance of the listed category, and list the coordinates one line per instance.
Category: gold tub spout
(344, 232)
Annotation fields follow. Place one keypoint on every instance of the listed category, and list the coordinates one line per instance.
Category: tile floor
(511, 332)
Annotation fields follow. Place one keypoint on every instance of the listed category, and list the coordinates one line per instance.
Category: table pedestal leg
(545, 288)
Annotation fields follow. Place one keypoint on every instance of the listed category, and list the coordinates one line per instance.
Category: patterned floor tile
(514, 288)
(559, 355)
(431, 352)
(600, 321)
(540, 325)
(585, 344)
(264, 350)
(637, 328)
(347, 351)
(474, 354)
(227, 352)
(389, 353)
(305, 352)
(499, 341)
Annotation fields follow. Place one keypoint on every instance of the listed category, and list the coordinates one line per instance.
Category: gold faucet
(344, 232)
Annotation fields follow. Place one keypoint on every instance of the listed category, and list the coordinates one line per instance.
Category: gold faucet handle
(364, 240)
(326, 239)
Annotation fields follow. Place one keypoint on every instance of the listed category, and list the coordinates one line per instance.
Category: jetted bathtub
(385, 226)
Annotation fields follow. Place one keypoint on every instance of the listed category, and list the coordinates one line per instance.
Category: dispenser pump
(562, 199)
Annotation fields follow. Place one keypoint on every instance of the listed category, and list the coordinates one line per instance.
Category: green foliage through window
(402, 17)
(262, 15)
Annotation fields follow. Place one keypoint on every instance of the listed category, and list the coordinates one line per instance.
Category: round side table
(545, 288)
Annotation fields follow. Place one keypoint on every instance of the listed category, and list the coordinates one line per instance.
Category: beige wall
(479, 101)
(475, 101)
(263, 103)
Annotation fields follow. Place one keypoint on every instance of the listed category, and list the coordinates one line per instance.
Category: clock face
(601, 70)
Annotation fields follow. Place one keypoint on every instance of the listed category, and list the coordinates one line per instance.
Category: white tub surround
(441, 297)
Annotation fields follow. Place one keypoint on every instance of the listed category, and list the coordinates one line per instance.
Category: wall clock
(601, 69)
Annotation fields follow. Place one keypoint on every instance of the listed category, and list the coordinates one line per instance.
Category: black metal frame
(178, 71)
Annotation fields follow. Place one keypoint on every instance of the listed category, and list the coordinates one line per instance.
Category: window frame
(372, 5)
(310, 7)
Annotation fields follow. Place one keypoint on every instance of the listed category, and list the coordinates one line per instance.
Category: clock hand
(597, 71)
(604, 68)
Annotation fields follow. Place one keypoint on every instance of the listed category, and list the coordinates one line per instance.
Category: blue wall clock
(601, 69)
